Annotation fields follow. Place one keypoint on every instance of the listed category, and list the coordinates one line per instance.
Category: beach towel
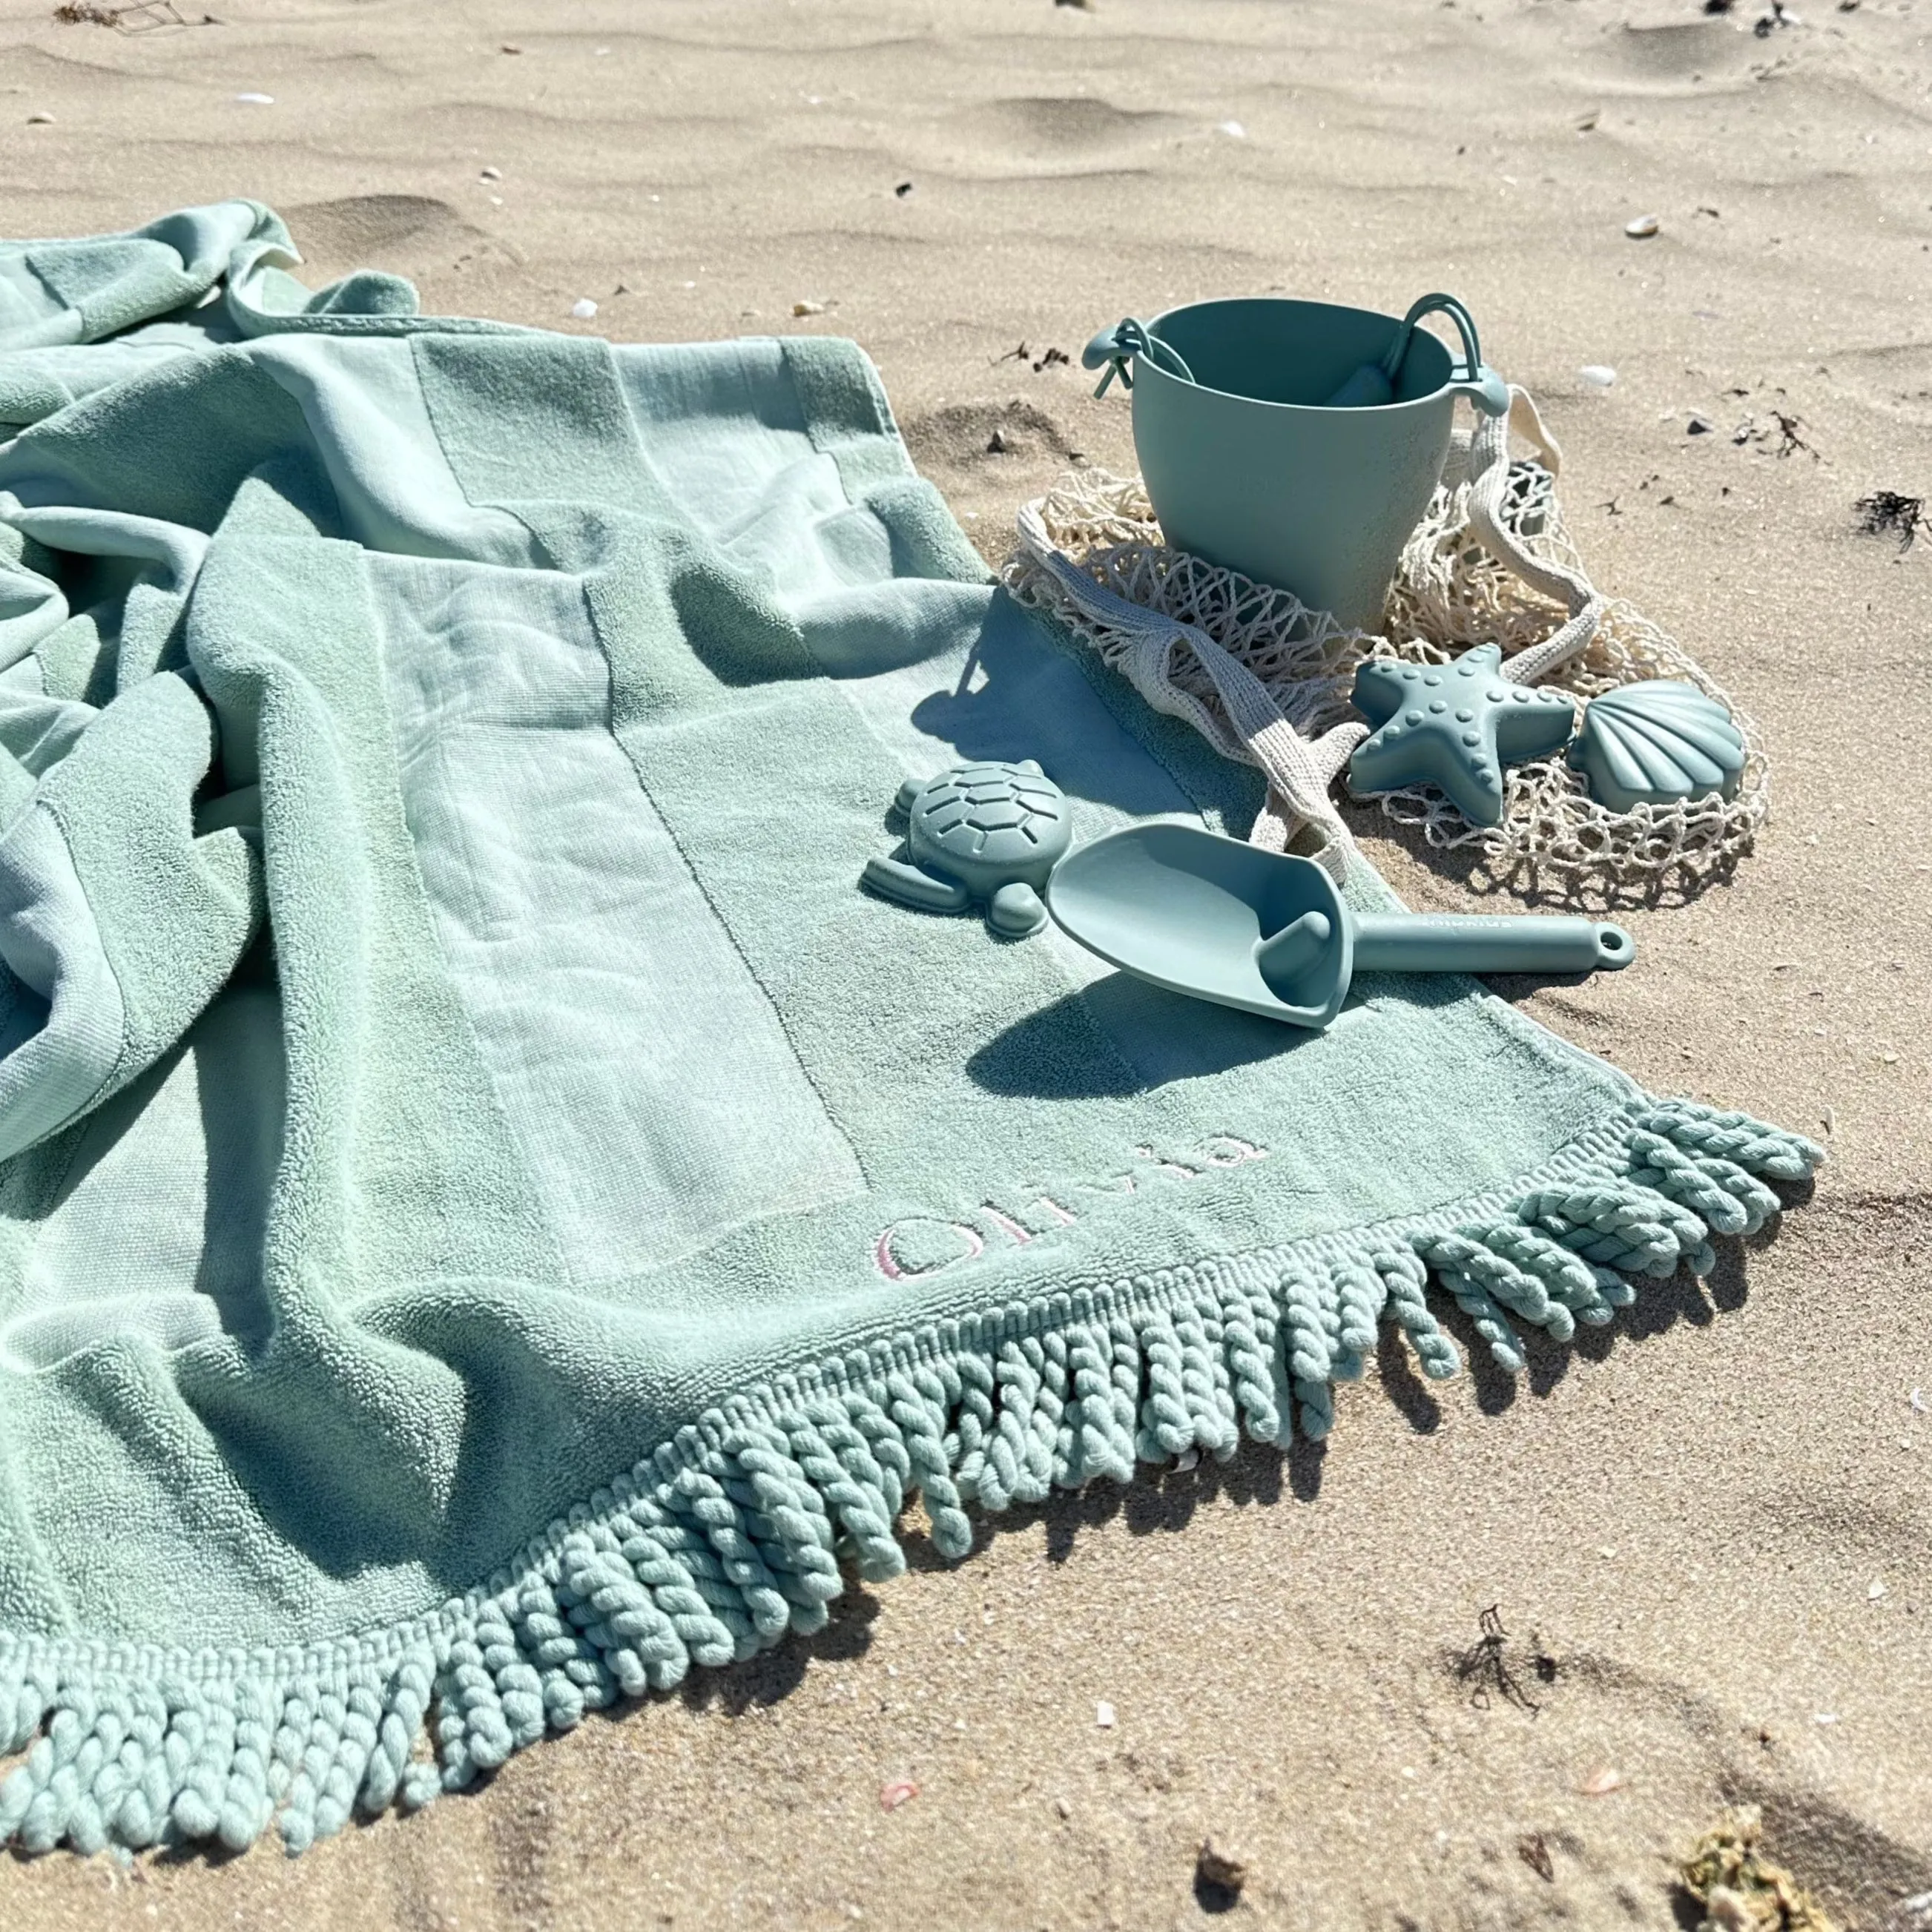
(492, 1214)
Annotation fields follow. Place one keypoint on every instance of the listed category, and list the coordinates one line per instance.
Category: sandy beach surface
(1707, 1537)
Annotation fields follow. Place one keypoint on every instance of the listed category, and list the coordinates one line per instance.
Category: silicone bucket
(1251, 466)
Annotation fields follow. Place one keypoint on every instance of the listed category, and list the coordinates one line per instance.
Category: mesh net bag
(1451, 590)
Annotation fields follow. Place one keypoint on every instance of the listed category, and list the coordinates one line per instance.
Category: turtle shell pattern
(991, 818)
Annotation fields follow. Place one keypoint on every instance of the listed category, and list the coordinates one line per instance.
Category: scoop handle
(1517, 942)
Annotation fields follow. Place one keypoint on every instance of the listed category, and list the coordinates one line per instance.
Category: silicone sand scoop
(1218, 920)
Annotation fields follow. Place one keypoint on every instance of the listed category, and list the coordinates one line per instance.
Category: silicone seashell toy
(1658, 743)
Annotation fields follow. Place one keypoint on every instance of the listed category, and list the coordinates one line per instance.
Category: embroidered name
(918, 1245)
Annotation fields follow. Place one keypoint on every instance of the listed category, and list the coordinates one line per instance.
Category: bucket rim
(1145, 367)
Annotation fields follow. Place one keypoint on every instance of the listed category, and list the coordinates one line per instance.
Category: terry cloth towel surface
(491, 1213)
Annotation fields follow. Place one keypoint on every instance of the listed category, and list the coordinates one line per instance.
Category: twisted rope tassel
(248, 1802)
(1305, 1341)
(1043, 1421)
(857, 1506)
(1405, 1275)
(1211, 1426)
(614, 1609)
(687, 1543)
(138, 1813)
(1616, 1223)
(1567, 1278)
(973, 1423)
(1124, 1379)
(1361, 1296)
(1699, 1183)
(1166, 1426)
(1476, 1262)
(1103, 1442)
(205, 1727)
(882, 1438)
(655, 1546)
(788, 1522)
(1250, 1353)
(725, 1528)
(922, 1422)
(1751, 1144)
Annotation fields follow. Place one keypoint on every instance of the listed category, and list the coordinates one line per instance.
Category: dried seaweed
(1485, 1666)
(1892, 513)
(138, 16)
(1047, 358)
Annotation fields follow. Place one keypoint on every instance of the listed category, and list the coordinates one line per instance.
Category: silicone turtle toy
(987, 832)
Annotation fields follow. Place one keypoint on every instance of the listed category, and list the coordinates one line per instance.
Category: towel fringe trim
(730, 1537)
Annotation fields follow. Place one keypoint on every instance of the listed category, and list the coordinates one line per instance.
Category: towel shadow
(1395, 1369)
(774, 1674)
(1165, 1501)
(1159, 1501)
(1662, 1303)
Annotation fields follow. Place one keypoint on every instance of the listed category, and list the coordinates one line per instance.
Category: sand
(1708, 1538)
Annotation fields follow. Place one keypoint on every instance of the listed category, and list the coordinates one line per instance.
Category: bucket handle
(1118, 347)
(1475, 378)
(1114, 349)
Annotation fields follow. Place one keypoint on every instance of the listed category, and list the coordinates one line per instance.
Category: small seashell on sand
(40, 120)
(583, 308)
(1233, 130)
(899, 1791)
(1103, 1715)
(491, 174)
(808, 308)
(1601, 1783)
(256, 100)
(1642, 228)
(1598, 375)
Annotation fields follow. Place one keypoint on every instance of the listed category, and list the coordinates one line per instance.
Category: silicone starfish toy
(1454, 726)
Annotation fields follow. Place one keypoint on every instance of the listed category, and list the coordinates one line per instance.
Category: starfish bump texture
(1454, 726)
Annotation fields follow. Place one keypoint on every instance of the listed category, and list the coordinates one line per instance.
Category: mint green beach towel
(491, 1214)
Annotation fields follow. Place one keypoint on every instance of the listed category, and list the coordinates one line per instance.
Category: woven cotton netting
(1449, 593)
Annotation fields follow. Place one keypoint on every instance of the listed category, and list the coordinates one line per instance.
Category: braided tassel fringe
(732, 1535)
